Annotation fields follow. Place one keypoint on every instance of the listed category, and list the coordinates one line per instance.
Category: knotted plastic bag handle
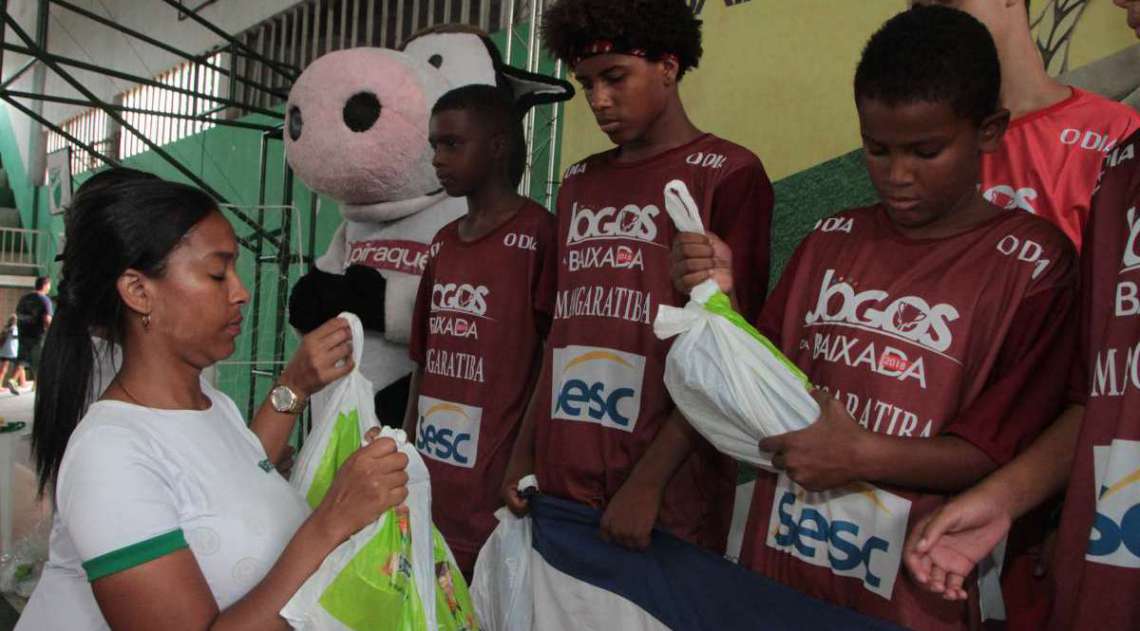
(682, 208)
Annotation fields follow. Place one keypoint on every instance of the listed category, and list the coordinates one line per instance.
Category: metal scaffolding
(270, 248)
(261, 65)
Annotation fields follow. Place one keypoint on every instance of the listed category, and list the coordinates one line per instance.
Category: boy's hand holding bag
(731, 383)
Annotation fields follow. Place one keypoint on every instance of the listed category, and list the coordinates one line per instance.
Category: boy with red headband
(602, 429)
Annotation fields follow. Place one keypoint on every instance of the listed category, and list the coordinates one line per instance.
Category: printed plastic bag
(396, 574)
(732, 384)
(347, 413)
(501, 589)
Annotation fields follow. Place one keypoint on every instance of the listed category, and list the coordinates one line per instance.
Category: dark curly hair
(934, 54)
(658, 27)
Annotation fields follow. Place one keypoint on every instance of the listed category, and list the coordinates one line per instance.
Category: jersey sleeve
(545, 276)
(742, 217)
(1028, 381)
(117, 502)
(417, 343)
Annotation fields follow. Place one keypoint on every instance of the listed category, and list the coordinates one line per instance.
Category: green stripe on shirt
(134, 555)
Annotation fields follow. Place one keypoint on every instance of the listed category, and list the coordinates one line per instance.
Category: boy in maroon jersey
(1095, 455)
(604, 431)
(934, 321)
(1047, 164)
(1095, 575)
(483, 308)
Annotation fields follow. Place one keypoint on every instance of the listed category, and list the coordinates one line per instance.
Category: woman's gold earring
(146, 321)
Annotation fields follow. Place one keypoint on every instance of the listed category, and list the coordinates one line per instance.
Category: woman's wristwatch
(285, 400)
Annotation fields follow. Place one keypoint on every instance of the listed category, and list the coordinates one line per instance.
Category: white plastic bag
(346, 413)
(396, 574)
(731, 383)
(501, 589)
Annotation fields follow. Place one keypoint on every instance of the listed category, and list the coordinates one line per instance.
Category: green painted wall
(804, 198)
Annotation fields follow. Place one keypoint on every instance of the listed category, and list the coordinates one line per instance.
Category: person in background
(34, 313)
(9, 351)
(1058, 135)
(169, 513)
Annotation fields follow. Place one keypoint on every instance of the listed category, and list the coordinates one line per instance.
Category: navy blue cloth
(683, 586)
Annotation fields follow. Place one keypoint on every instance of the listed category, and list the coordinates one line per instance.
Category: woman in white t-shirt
(169, 511)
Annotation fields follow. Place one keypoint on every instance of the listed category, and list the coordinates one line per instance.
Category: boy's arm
(521, 463)
(417, 347)
(631, 513)
(1025, 391)
(412, 411)
(944, 547)
(836, 450)
(741, 216)
(542, 290)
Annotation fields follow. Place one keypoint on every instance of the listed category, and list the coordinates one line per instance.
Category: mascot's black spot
(295, 123)
(436, 60)
(361, 111)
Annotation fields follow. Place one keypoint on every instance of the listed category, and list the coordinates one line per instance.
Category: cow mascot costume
(357, 130)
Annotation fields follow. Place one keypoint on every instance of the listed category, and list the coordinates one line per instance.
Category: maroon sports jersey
(603, 399)
(481, 314)
(965, 335)
(1097, 564)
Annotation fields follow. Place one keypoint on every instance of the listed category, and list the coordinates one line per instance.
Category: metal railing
(185, 99)
(19, 247)
(300, 34)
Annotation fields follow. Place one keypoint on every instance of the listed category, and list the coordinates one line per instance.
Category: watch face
(282, 398)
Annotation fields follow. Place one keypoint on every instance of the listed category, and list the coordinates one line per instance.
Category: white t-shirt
(138, 483)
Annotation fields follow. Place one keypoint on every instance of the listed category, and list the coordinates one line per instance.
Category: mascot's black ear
(465, 54)
(529, 88)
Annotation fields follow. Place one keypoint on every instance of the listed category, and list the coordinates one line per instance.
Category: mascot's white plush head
(357, 120)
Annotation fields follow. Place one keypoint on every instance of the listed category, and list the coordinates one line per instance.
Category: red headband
(604, 47)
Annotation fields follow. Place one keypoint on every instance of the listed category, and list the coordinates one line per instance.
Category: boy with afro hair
(603, 430)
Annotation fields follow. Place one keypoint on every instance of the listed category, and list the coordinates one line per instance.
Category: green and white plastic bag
(731, 383)
(342, 413)
(396, 574)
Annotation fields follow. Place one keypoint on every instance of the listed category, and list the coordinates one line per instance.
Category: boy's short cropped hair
(654, 28)
(491, 106)
(932, 54)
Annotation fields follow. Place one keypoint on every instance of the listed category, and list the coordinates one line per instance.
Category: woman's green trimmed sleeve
(134, 555)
